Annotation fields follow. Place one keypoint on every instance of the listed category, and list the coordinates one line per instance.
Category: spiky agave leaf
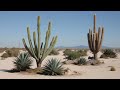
(22, 62)
(53, 67)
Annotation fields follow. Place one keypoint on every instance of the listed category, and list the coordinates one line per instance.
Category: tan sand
(86, 72)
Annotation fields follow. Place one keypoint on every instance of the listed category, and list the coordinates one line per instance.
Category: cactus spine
(95, 39)
(38, 52)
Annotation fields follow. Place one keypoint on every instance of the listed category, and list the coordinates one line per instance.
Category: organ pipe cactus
(38, 52)
(95, 39)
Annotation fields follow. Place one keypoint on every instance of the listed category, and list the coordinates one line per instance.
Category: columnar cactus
(38, 52)
(95, 39)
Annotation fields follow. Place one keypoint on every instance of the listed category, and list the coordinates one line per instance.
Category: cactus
(38, 52)
(95, 39)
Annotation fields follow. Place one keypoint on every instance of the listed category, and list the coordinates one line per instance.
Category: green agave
(23, 62)
(53, 67)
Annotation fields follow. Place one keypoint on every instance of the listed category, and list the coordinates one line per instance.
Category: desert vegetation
(12, 52)
(53, 67)
(54, 52)
(40, 51)
(95, 39)
(108, 53)
(43, 59)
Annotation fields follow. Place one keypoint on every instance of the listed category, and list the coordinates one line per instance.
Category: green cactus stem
(37, 51)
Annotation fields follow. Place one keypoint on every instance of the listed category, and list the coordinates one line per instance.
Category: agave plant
(82, 61)
(23, 62)
(53, 67)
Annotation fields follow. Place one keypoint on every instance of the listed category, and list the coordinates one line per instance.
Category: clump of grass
(67, 52)
(112, 68)
(54, 52)
(10, 53)
(82, 61)
(82, 52)
(108, 53)
(73, 55)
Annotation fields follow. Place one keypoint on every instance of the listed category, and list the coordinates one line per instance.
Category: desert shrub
(2, 49)
(5, 55)
(112, 68)
(82, 52)
(53, 67)
(73, 55)
(82, 61)
(22, 62)
(67, 52)
(11, 53)
(108, 53)
(54, 52)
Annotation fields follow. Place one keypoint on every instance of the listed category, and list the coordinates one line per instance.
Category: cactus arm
(89, 41)
(101, 38)
(96, 43)
(35, 45)
(30, 43)
(24, 43)
(52, 44)
(38, 31)
(47, 39)
(94, 24)
(99, 29)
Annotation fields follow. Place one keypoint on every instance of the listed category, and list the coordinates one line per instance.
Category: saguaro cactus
(38, 52)
(95, 39)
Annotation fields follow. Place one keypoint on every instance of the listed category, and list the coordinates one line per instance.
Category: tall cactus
(95, 39)
(38, 52)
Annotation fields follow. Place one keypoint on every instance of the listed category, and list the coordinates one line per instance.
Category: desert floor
(86, 72)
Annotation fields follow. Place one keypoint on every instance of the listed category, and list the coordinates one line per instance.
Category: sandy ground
(86, 72)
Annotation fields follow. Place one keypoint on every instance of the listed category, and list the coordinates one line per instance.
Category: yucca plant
(22, 62)
(53, 67)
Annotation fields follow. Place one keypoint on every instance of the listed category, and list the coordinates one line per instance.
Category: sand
(86, 72)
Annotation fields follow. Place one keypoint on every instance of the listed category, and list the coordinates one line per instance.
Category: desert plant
(38, 52)
(67, 52)
(10, 53)
(82, 61)
(112, 68)
(54, 52)
(95, 39)
(53, 67)
(82, 52)
(22, 62)
(73, 55)
(5, 55)
(3, 49)
(108, 53)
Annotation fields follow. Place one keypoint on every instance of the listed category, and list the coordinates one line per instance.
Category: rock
(90, 57)
(93, 62)
(70, 72)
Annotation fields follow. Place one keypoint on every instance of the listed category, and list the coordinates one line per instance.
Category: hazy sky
(70, 26)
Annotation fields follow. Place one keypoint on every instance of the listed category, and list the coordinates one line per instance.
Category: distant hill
(78, 47)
